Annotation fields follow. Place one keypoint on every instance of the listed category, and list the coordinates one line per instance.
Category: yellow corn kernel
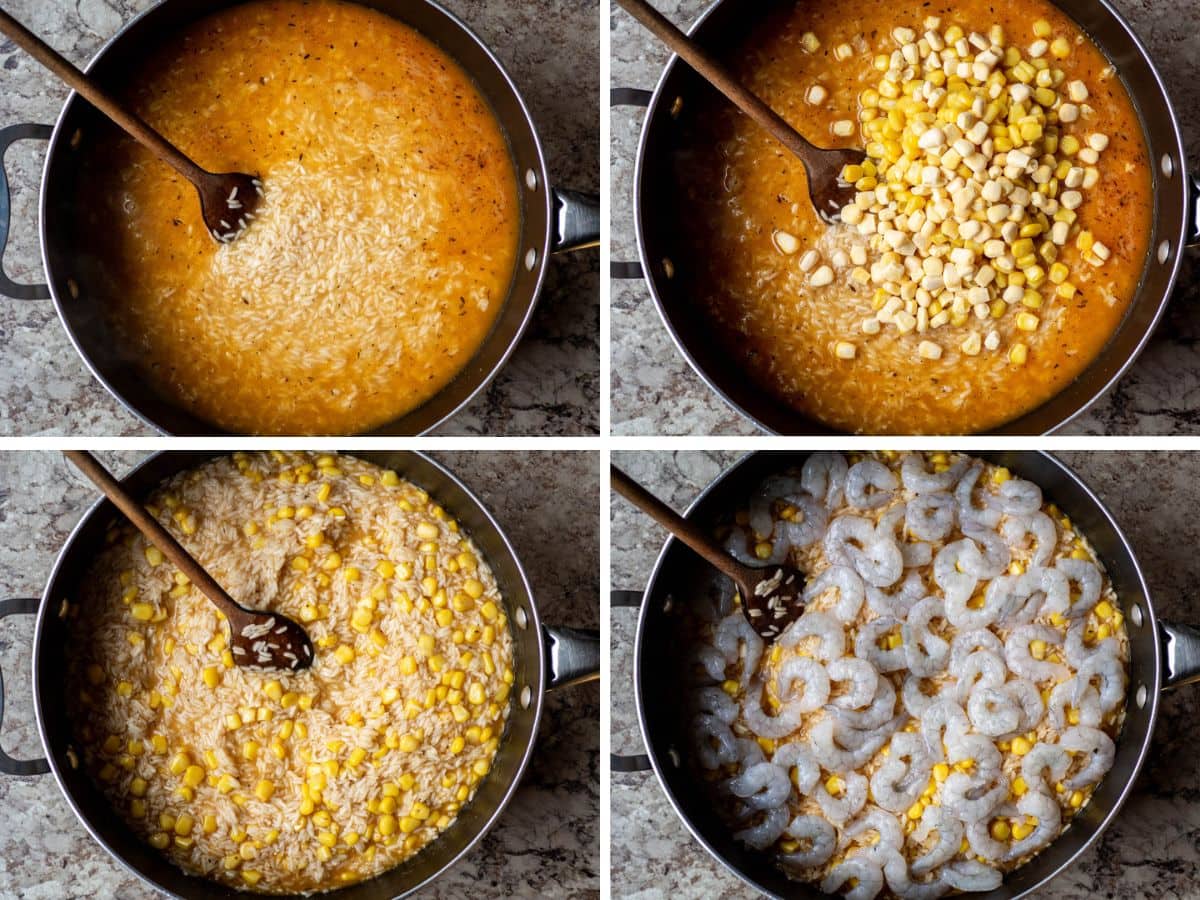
(193, 776)
(160, 840)
(264, 789)
(1021, 746)
(184, 825)
(225, 783)
(1104, 609)
(1019, 787)
(1000, 830)
(1021, 830)
(915, 811)
(1019, 352)
(344, 654)
(179, 763)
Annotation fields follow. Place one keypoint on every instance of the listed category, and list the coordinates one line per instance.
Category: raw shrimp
(761, 722)
(714, 742)
(916, 555)
(897, 784)
(880, 710)
(925, 653)
(740, 546)
(796, 755)
(957, 569)
(1039, 591)
(863, 869)
(939, 721)
(1087, 704)
(898, 602)
(715, 702)
(979, 838)
(849, 586)
(981, 667)
(1028, 699)
(996, 554)
(974, 798)
(969, 875)
(808, 528)
(1109, 671)
(824, 476)
(1045, 766)
(762, 786)
(839, 748)
(1085, 574)
(961, 746)
(820, 625)
(895, 869)
(870, 473)
(962, 615)
(812, 675)
(964, 494)
(711, 660)
(873, 820)
(1049, 821)
(915, 700)
(767, 831)
(1076, 650)
(931, 517)
(920, 480)
(821, 837)
(866, 645)
(1016, 497)
(782, 488)
(1019, 659)
(1098, 751)
(854, 541)
(965, 643)
(862, 677)
(1041, 527)
(841, 808)
(949, 839)
(993, 712)
(731, 636)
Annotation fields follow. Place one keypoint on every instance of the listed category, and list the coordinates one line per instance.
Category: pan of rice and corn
(964, 704)
(369, 773)
(1014, 233)
(396, 256)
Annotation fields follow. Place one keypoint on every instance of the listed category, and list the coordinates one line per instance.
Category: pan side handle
(636, 762)
(638, 98)
(9, 136)
(1193, 235)
(1181, 649)
(9, 766)
(573, 654)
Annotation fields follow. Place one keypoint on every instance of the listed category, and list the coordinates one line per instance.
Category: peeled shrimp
(776, 487)
(996, 554)
(961, 746)
(840, 748)
(808, 527)
(1019, 660)
(925, 653)
(863, 869)
(870, 473)
(819, 625)
(821, 837)
(841, 808)
(897, 784)
(949, 839)
(895, 870)
(931, 517)
(916, 555)
(797, 756)
(711, 660)
(715, 702)
(767, 831)
(890, 836)
(979, 837)
(824, 476)
(714, 742)
(764, 724)
(1045, 766)
(965, 643)
(1109, 672)
(1016, 497)
(898, 602)
(920, 480)
(981, 667)
(1049, 821)
(740, 546)
(866, 645)
(1085, 574)
(969, 875)
(941, 719)
(1077, 652)
(762, 786)
(731, 636)
(849, 586)
(964, 493)
(853, 541)
(1028, 699)
(973, 798)
(993, 712)
(862, 677)
(915, 700)
(882, 707)
(1098, 749)
(1086, 703)
(1036, 592)
(813, 678)
(956, 570)
(1041, 527)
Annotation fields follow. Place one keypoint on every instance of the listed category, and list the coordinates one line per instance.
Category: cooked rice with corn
(292, 782)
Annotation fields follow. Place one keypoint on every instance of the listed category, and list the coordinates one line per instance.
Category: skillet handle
(638, 98)
(1181, 648)
(619, 762)
(573, 654)
(8, 136)
(1193, 235)
(576, 220)
(8, 765)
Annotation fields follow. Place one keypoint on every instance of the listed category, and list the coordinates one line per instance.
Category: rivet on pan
(73, 288)
(674, 757)
(76, 138)
(522, 619)
(1164, 251)
(526, 696)
(1168, 165)
(668, 603)
(676, 107)
(531, 179)
(1140, 696)
(668, 267)
(1135, 615)
(531, 259)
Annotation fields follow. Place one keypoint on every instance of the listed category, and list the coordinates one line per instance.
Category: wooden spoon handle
(718, 76)
(688, 532)
(154, 532)
(132, 124)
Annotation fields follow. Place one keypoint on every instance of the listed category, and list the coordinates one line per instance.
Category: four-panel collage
(640, 449)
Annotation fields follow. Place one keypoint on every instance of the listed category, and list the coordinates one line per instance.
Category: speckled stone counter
(1153, 848)
(551, 383)
(655, 391)
(547, 840)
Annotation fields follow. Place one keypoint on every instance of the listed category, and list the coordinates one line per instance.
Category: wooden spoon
(259, 640)
(227, 200)
(771, 595)
(826, 188)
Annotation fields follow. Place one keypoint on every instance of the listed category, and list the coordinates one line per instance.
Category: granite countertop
(1153, 847)
(551, 384)
(547, 840)
(655, 391)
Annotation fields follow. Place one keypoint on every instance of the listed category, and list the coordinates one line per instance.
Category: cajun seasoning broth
(739, 186)
(384, 247)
